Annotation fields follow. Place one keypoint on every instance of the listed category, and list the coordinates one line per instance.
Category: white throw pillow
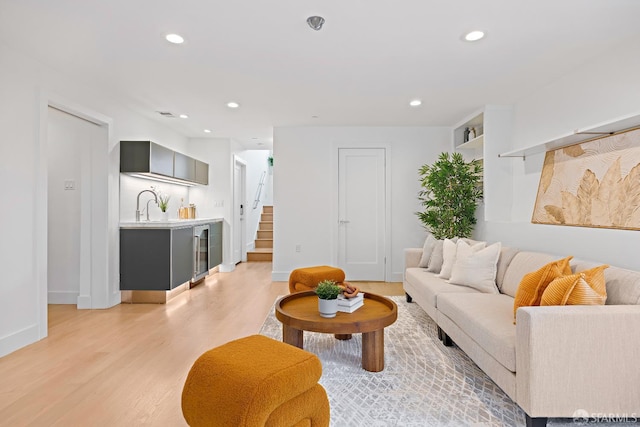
(449, 253)
(477, 269)
(427, 250)
(435, 262)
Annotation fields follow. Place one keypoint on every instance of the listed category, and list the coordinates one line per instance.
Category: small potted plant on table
(328, 292)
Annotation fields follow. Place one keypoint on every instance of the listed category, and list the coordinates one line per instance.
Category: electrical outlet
(69, 184)
(298, 248)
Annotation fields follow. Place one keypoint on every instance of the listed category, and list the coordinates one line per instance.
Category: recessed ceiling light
(474, 36)
(184, 116)
(207, 131)
(233, 104)
(415, 103)
(175, 38)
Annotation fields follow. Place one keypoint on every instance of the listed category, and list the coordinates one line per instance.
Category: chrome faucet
(138, 204)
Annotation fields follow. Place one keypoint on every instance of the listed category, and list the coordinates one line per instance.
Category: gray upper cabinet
(147, 158)
(184, 167)
(202, 173)
(161, 160)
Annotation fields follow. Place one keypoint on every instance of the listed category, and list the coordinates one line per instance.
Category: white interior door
(361, 210)
(239, 209)
(76, 174)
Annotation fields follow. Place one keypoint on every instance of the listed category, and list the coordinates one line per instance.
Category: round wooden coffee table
(298, 312)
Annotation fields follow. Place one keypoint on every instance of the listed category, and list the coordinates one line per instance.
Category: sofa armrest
(578, 357)
(412, 257)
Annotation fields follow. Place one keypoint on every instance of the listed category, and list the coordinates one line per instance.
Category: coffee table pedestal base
(292, 336)
(372, 346)
(373, 351)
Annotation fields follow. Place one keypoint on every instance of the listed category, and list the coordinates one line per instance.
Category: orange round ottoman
(255, 381)
(307, 278)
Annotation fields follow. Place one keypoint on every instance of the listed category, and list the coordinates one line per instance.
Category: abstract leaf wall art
(592, 184)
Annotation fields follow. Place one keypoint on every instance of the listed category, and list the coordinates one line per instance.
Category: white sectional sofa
(556, 361)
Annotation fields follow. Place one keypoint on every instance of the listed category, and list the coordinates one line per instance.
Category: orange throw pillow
(533, 284)
(584, 288)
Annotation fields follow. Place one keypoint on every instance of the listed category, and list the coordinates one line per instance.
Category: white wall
(305, 190)
(602, 90)
(26, 87)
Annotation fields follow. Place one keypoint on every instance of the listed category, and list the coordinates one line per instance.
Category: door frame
(337, 146)
(99, 233)
(235, 210)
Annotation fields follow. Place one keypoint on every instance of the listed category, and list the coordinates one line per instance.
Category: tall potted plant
(451, 190)
(328, 291)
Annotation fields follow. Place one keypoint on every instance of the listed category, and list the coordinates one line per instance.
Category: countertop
(172, 223)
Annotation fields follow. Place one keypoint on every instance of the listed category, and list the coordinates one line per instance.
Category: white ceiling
(370, 59)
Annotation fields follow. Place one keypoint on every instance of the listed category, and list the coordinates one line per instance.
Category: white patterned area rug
(423, 383)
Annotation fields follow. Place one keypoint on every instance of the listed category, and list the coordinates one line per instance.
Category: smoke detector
(315, 22)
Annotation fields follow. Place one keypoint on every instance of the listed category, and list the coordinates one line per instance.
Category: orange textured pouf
(255, 381)
(307, 278)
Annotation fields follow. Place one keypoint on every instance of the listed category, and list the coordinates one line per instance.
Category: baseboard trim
(84, 302)
(396, 277)
(226, 268)
(62, 297)
(280, 276)
(17, 340)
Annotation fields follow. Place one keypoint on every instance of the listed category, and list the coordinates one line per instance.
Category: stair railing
(256, 202)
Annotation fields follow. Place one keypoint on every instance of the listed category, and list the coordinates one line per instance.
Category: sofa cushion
(487, 319)
(523, 263)
(430, 286)
(623, 286)
(476, 268)
(533, 284)
(583, 288)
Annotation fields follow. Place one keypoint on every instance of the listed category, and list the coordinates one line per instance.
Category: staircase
(264, 243)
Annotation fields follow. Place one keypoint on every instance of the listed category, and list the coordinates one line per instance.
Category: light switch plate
(69, 184)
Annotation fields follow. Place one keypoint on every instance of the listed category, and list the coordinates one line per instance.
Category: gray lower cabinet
(155, 259)
(215, 244)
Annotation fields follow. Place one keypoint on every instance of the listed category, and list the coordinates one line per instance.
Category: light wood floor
(125, 366)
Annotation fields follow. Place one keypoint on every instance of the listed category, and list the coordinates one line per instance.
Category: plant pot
(328, 307)
(164, 216)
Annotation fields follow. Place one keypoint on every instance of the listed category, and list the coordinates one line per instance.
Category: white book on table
(349, 302)
(345, 309)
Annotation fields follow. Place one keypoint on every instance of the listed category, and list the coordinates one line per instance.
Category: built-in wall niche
(468, 138)
(493, 126)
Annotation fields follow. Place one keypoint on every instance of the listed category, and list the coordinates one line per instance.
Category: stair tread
(261, 250)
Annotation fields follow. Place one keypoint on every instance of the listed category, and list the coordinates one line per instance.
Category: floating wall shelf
(578, 136)
(474, 143)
